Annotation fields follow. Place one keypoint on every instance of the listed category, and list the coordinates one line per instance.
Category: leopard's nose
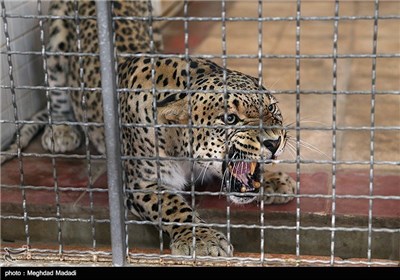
(272, 145)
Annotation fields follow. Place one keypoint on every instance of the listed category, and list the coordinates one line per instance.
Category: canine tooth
(232, 171)
(256, 185)
(252, 167)
(243, 189)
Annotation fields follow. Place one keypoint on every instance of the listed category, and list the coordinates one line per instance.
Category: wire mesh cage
(333, 66)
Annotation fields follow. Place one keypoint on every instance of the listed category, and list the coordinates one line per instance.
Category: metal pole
(111, 127)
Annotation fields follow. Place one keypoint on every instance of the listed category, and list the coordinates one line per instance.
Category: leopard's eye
(271, 108)
(230, 119)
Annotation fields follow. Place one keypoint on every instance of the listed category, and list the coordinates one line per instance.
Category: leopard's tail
(25, 135)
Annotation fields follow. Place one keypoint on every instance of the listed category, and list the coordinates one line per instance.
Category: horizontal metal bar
(53, 123)
(254, 261)
(167, 158)
(258, 19)
(303, 92)
(52, 219)
(218, 56)
(216, 225)
(57, 156)
(203, 193)
(50, 53)
(140, 125)
(216, 19)
(61, 189)
(66, 251)
(255, 226)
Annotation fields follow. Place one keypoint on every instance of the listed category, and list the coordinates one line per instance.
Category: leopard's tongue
(242, 171)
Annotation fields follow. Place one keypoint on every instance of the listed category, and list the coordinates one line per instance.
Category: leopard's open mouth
(241, 175)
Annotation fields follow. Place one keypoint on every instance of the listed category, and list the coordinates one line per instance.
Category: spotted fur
(171, 109)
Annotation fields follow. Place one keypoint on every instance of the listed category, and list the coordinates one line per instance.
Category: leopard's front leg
(278, 183)
(208, 242)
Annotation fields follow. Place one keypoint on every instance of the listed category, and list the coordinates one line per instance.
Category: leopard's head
(236, 127)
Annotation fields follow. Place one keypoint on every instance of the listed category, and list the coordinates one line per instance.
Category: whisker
(198, 176)
(205, 171)
(294, 150)
(304, 120)
(241, 163)
(273, 84)
(223, 180)
(226, 173)
(230, 179)
(317, 122)
(311, 147)
(288, 124)
(306, 145)
(236, 165)
(291, 149)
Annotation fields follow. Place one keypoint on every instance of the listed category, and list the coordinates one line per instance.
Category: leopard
(181, 118)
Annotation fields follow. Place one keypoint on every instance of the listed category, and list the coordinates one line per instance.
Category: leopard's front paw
(209, 242)
(66, 138)
(278, 183)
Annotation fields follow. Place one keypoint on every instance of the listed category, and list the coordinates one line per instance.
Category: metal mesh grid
(120, 226)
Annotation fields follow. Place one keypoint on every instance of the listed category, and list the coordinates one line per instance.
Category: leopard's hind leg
(24, 136)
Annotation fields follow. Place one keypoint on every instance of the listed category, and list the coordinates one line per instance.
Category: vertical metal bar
(155, 119)
(334, 111)
(190, 123)
(111, 128)
(298, 158)
(261, 96)
(154, 93)
(372, 135)
(124, 187)
(17, 125)
(50, 119)
(85, 96)
(225, 94)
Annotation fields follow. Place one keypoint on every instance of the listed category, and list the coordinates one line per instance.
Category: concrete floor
(354, 75)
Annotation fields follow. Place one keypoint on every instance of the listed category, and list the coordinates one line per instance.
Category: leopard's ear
(174, 108)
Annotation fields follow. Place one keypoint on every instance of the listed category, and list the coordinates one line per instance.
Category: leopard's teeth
(253, 166)
(231, 170)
